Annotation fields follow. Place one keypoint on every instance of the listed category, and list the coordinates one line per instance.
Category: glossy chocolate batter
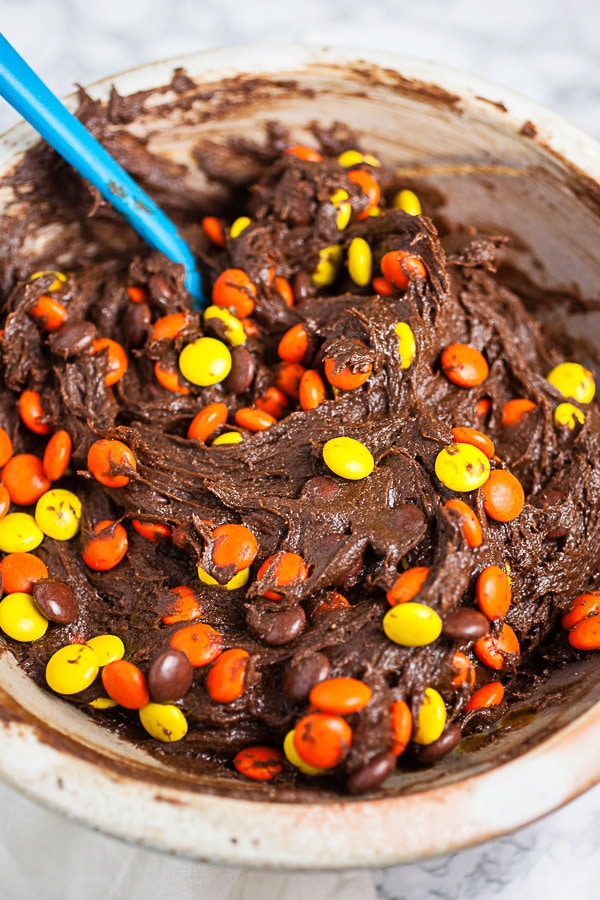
(355, 536)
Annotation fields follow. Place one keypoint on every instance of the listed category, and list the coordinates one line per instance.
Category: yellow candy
(164, 721)
(340, 200)
(567, 414)
(102, 703)
(328, 265)
(20, 618)
(107, 647)
(291, 754)
(228, 437)
(412, 624)
(462, 467)
(72, 669)
(348, 458)
(234, 330)
(58, 513)
(407, 347)
(574, 381)
(240, 224)
(354, 157)
(408, 201)
(431, 719)
(19, 532)
(59, 279)
(360, 261)
(238, 580)
(206, 361)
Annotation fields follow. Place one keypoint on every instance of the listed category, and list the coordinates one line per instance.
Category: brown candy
(301, 676)
(243, 367)
(136, 325)
(427, 754)
(465, 624)
(276, 627)
(372, 774)
(56, 600)
(72, 339)
(170, 676)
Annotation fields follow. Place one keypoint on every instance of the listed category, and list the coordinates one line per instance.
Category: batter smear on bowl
(323, 529)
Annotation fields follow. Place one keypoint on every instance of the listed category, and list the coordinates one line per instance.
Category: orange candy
(491, 694)
(152, 531)
(49, 312)
(213, 230)
(464, 668)
(491, 649)
(586, 634)
(260, 763)
(483, 407)
(470, 524)
(399, 266)
(312, 390)
(402, 726)
(32, 412)
(234, 545)
(6, 447)
(503, 496)
(286, 568)
(200, 643)
(345, 379)
(20, 571)
(107, 546)
(288, 379)
(303, 152)
(493, 592)
(382, 286)
(116, 359)
(126, 684)
(24, 478)
(185, 607)
(226, 678)
(407, 585)
(106, 457)
(284, 289)
(168, 378)
(4, 501)
(254, 419)
(464, 365)
(169, 327)
(207, 420)
(370, 187)
(580, 607)
(274, 402)
(234, 290)
(514, 411)
(137, 294)
(332, 600)
(322, 740)
(464, 435)
(293, 346)
(340, 696)
(57, 455)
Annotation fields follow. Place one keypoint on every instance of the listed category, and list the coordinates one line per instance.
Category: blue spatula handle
(28, 94)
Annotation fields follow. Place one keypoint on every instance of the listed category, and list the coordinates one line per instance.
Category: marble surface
(540, 48)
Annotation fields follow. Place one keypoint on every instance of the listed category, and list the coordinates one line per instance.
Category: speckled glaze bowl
(503, 164)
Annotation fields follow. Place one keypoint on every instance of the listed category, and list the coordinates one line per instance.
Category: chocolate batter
(355, 536)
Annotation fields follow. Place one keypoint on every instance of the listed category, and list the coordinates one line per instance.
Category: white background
(548, 50)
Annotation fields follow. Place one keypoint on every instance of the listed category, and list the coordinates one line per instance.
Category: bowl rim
(253, 833)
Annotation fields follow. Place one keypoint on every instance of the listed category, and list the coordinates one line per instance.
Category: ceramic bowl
(503, 164)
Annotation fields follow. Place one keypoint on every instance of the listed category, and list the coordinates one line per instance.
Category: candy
(164, 722)
(491, 694)
(431, 718)
(20, 571)
(58, 513)
(226, 679)
(464, 435)
(573, 381)
(56, 600)
(107, 647)
(282, 569)
(301, 675)
(408, 201)
(369, 186)
(493, 592)
(293, 345)
(345, 378)
(492, 649)
(567, 415)
(311, 392)
(19, 533)
(238, 225)
(470, 524)
(207, 420)
(328, 265)
(125, 683)
(169, 327)
(24, 478)
(72, 669)
(372, 774)
(462, 467)
(503, 496)
(340, 200)
(293, 757)
(32, 412)
(400, 266)
(21, 619)
(6, 447)
(106, 547)
(235, 291)
(407, 347)
(233, 545)
(57, 455)
(260, 763)
(235, 582)
(225, 324)
(111, 462)
(464, 365)
(340, 696)
(170, 676)
(205, 361)
(407, 585)
(322, 740)
(412, 624)
(348, 458)
(200, 642)
(115, 358)
(360, 261)
(401, 724)
(515, 411)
